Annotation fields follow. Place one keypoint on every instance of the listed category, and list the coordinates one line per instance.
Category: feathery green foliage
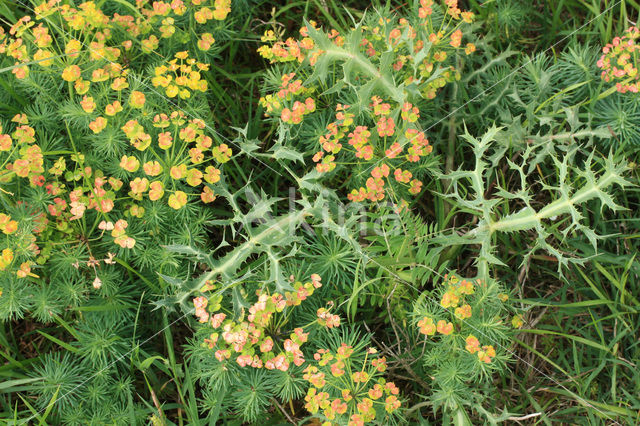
(267, 212)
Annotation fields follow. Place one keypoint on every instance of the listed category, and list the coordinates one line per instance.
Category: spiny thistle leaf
(576, 185)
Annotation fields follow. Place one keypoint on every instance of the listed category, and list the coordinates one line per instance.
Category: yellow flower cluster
(90, 51)
(181, 77)
(173, 166)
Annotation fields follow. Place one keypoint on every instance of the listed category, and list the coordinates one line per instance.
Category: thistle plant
(576, 186)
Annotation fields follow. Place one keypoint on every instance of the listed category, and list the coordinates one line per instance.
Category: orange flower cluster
(327, 319)
(29, 161)
(382, 145)
(29, 164)
(287, 50)
(485, 353)
(619, 62)
(220, 11)
(8, 226)
(249, 341)
(345, 390)
(455, 294)
(172, 167)
(391, 137)
(459, 300)
(95, 195)
(429, 328)
(153, 20)
(22, 241)
(118, 232)
(6, 258)
(282, 102)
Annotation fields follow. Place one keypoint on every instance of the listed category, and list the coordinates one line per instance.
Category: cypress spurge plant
(99, 132)
(344, 378)
(467, 331)
(105, 156)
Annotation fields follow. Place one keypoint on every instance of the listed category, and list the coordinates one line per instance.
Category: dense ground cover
(319, 212)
